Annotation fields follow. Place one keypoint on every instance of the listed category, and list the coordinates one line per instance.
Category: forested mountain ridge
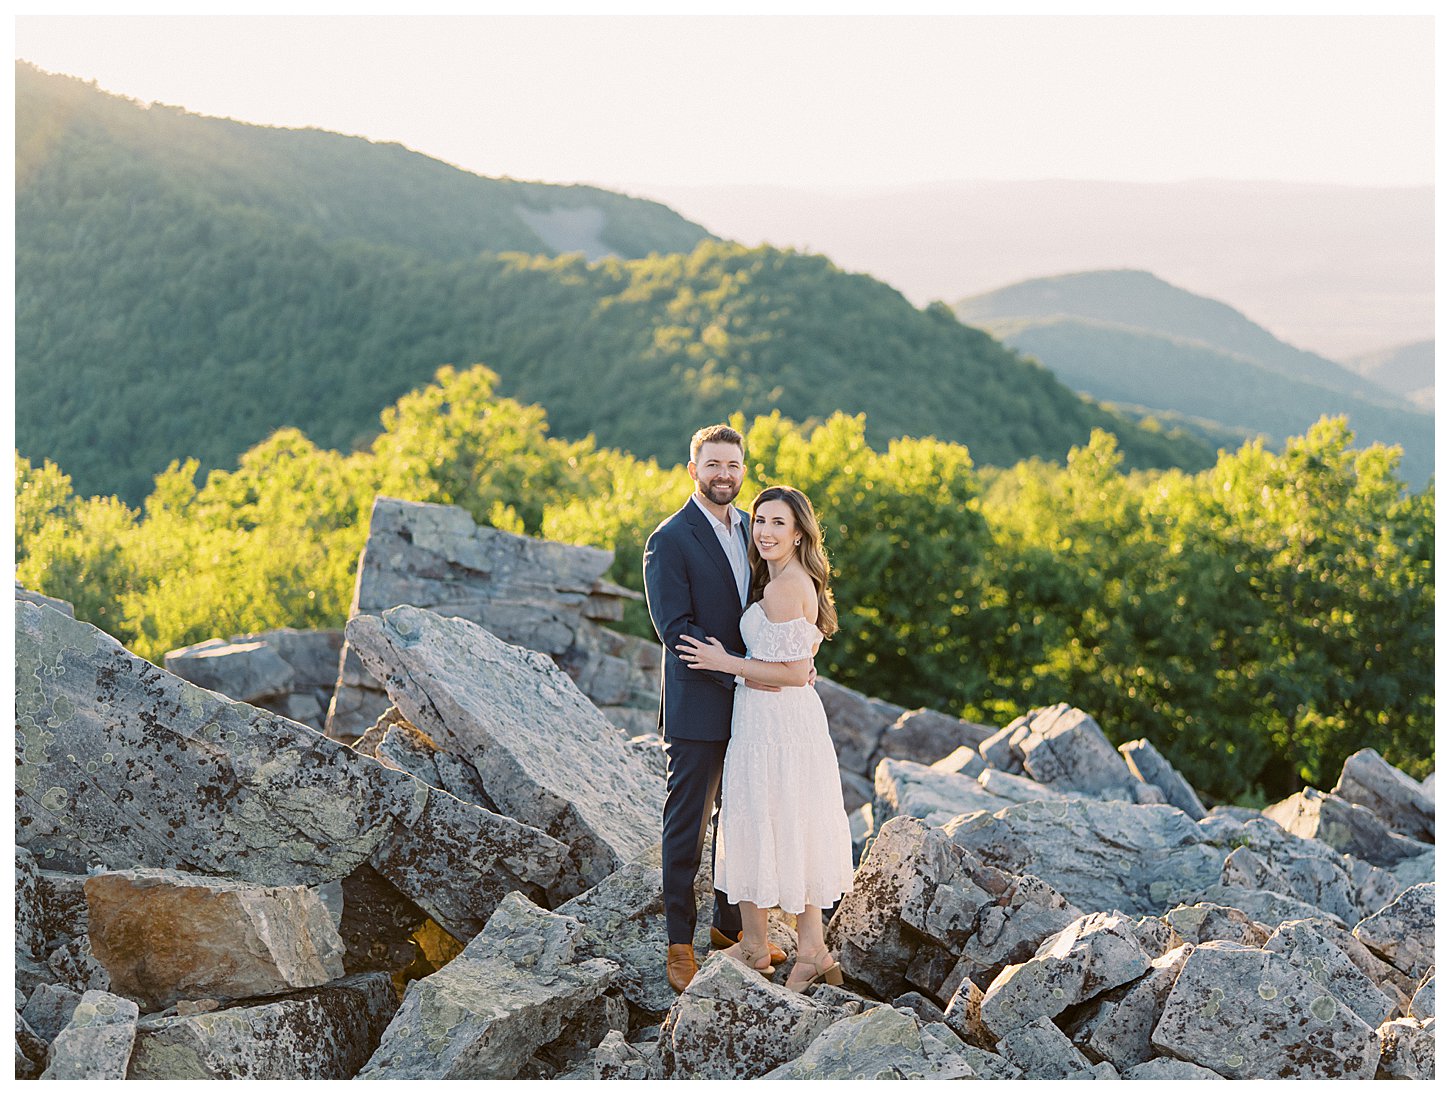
(164, 314)
(71, 138)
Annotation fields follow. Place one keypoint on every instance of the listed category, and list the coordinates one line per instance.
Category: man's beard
(722, 494)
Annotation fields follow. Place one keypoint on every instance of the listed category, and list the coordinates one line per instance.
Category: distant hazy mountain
(1136, 298)
(1339, 270)
(1408, 371)
(1127, 337)
(186, 285)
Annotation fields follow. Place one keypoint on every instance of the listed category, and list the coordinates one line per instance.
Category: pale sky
(631, 102)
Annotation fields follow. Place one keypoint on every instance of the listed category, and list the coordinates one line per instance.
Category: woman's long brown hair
(810, 551)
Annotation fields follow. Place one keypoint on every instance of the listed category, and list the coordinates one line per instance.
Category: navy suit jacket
(690, 590)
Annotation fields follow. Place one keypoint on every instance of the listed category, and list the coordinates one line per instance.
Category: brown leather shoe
(680, 965)
(719, 941)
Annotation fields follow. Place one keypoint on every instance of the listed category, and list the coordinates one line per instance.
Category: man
(696, 578)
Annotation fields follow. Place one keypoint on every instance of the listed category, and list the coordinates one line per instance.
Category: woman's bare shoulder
(790, 596)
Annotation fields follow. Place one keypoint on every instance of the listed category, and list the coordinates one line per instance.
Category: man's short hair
(723, 433)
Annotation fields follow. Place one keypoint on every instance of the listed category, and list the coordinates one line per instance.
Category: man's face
(718, 470)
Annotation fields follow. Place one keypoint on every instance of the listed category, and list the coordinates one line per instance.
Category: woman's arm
(711, 655)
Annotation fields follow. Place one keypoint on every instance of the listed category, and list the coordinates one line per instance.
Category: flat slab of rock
(542, 751)
(1368, 780)
(165, 935)
(482, 1017)
(1422, 1004)
(1251, 1014)
(730, 1023)
(535, 593)
(1403, 932)
(1098, 855)
(1312, 951)
(1204, 921)
(121, 764)
(246, 671)
(881, 1044)
(918, 892)
(96, 1043)
(49, 1009)
(1151, 766)
(1166, 1068)
(30, 595)
(1095, 953)
(325, 1033)
(1345, 827)
(904, 788)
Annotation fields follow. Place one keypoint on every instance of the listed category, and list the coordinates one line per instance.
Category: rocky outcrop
(1403, 932)
(285, 670)
(1150, 766)
(325, 1033)
(545, 596)
(484, 1015)
(1344, 826)
(1098, 855)
(542, 752)
(1368, 780)
(121, 764)
(904, 788)
(1247, 1013)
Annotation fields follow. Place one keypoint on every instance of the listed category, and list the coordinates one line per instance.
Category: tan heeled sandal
(742, 953)
(831, 974)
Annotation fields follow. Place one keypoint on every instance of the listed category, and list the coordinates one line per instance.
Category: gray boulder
(1067, 750)
(1011, 787)
(324, 1033)
(1098, 855)
(542, 751)
(75, 965)
(32, 597)
(917, 892)
(1265, 857)
(904, 788)
(482, 1017)
(730, 1023)
(247, 671)
(1344, 826)
(1368, 780)
(1407, 1049)
(616, 1059)
(1422, 1005)
(1204, 921)
(1118, 1026)
(1403, 932)
(122, 764)
(96, 1043)
(29, 929)
(1095, 953)
(1167, 1068)
(1150, 766)
(1264, 907)
(165, 935)
(49, 1009)
(926, 736)
(880, 1044)
(29, 1051)
(857, 723)
(404, 747)
(963, 760)
(1310, 950)
(1000, 750)
(1251, 1014)
(1043, 1052)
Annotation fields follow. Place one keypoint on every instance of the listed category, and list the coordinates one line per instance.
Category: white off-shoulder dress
(783, 838)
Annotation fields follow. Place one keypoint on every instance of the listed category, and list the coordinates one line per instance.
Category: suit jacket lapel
(704, 532)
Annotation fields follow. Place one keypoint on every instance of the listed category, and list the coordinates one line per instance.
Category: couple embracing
(746, 729)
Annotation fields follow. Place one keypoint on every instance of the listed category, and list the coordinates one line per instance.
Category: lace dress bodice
(768, 641)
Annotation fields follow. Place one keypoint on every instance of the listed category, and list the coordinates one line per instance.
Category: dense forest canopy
(1258, 620)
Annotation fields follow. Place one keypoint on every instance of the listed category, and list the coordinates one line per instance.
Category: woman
(782, 834)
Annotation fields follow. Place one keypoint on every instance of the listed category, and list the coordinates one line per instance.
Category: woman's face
(774, 531)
